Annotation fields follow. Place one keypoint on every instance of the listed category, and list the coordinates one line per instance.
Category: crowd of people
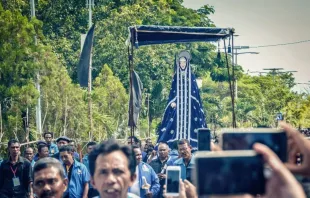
(111, 169)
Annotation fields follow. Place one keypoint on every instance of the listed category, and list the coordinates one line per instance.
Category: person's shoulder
(131, 195)
(178, 161)
(25, 161)
(153, 162)
(53, 145)
(192, 160)
(77, 163)
(145, 164)
(145, 167)
(4, 162)
(85, 157)
(81, 165)
(174, 153)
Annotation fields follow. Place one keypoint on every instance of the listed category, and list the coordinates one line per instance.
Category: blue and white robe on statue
(184, 113)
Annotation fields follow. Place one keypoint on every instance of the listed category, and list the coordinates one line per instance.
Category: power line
(281, 44)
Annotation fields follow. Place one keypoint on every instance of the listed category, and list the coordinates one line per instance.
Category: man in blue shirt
(186, 162)
(90, 146)
(147, 182)
(77, 174)
(52, 148)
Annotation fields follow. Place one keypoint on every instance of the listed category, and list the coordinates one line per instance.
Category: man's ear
(65, 181)
(133, 178)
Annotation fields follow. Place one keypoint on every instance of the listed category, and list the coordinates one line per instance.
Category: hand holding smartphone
(204, 139)
(244, 139)
(229, 173)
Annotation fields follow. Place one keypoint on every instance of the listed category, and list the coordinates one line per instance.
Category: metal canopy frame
(141, 35)
(150, 34)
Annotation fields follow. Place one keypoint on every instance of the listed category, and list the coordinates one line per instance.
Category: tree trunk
(65, 121)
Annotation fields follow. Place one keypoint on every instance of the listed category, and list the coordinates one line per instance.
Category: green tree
(18, 70)
(110, 104)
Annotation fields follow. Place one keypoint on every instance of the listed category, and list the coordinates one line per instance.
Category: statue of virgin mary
(184, 113)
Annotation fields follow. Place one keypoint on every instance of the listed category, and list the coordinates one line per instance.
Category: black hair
(12, 141)
(41, 142)
(107, 147)
(151, 146)
(91, 144)
(48, 132)
(163, 142)
(41, 146)
(183, 141)
(48, 162)
(135, 147)
(64, 138)
(67, 148)
(134, 138)
(27, 149)
(175, 145)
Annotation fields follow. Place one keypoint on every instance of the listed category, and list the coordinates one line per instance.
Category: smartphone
(204, 139)
(244, 139)
(173, 180)
(299, 156)
(229, 173)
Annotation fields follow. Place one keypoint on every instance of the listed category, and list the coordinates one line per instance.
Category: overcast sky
(265, 22)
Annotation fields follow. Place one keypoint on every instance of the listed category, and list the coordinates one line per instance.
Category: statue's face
(182, 63)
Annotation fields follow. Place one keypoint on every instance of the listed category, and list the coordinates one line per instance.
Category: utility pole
(90, 4)
(38, 107)
(275, 71)
(259, 72)
(236, 64)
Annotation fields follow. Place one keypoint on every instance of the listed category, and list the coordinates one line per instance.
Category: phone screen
(204, 138)
(230, 175)
(173, 180)
(245, 141)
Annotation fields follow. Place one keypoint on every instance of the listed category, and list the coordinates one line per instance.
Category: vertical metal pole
(148, 114)
(38, 107)
(131, 66)
(233, 83)
(90, 4)
(236, 82)
(27, 127)
(230, 84)
(32, 7)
